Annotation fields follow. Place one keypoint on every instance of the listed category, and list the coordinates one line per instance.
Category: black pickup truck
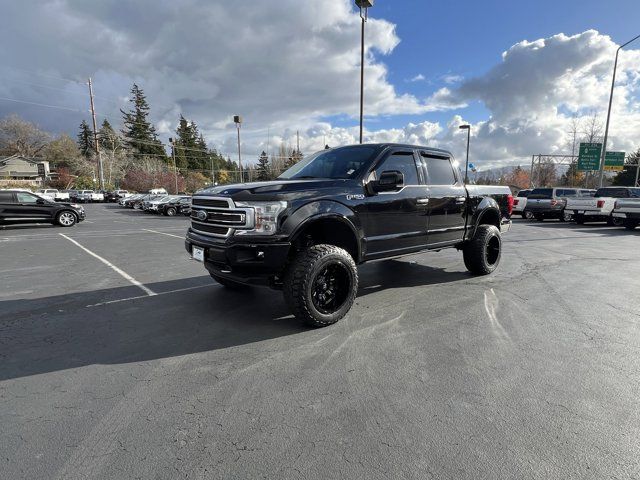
(305, 232)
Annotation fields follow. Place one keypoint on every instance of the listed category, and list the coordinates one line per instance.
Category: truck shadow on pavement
(387, 274)
(122, 325)
(62, 332)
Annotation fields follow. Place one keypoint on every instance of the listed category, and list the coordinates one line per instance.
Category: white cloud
(418, 78)
(283, 63)
(450, 79)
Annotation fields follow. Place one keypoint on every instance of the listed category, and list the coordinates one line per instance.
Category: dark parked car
(306, 231)
(17, 206)
(175, 206)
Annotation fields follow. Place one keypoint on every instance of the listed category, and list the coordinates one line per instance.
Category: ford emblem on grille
(202, 215)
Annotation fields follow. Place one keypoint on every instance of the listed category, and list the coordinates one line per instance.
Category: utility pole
(95, 137)
(298, 141)
(173, 156)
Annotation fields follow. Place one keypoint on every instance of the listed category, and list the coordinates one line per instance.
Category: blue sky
(467, 38)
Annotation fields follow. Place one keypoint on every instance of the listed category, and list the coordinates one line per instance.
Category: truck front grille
(218, 217)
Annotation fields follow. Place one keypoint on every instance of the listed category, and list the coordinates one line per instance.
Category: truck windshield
(336, 163)
(541, 193)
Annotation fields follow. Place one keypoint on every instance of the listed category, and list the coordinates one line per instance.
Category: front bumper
(252, 261)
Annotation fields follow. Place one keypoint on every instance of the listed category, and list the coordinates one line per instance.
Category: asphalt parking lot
(136, 365)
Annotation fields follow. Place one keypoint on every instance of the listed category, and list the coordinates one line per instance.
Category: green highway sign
(589, 156)
(614, 161)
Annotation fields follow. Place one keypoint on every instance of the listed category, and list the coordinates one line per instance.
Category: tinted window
(26, 197)
(634, 192)
(541, 193)
(439, 171)
(612, 192)
(524, 193)
(401, 162)
(565, 193)
(6, 197)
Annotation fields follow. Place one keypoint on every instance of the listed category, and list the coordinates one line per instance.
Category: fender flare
(312, 212)
(487, 206)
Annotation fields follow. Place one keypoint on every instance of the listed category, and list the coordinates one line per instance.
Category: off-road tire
(630, 224)
(303, 273)
(483, 252)
(230, 284)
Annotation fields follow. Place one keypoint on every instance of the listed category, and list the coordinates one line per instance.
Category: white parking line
(163, 233)
(124, 274)
(145, 296)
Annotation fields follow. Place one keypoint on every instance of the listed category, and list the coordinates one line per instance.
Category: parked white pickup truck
(53, 194)
(628, 209)
(599, 208)
(85, 196)
(520, 202)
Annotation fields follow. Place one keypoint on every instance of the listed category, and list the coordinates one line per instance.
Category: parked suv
(24, 207)
(544, 203)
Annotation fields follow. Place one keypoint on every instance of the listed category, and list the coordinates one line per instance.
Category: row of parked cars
(82, 196)
(169, 205)
(617, 206)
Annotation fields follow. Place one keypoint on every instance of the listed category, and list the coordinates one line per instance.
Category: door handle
(423, 201)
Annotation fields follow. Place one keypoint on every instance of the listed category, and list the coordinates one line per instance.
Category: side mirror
(389, 181)
(40, 201)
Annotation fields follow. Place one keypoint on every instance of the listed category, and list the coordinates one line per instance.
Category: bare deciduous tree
(19, 137)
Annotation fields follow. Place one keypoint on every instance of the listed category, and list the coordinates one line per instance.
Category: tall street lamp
(466, 165)
(606, 129)
(237, 119)
(364, 6)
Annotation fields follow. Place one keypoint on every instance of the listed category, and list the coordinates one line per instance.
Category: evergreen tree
(85, 140)
(108, 137)
(262, 168)
(140, 136)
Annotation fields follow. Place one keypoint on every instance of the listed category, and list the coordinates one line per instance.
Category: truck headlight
(265, 215)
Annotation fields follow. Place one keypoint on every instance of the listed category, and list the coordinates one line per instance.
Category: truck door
(397, 221)
(447, 199)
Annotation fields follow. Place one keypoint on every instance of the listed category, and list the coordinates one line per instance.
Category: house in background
(19, 169)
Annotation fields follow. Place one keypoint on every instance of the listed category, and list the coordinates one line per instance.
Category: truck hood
(281, 189)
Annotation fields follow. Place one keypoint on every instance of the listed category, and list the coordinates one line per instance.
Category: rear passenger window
(401, 162)
(439, 171)
(6, 197)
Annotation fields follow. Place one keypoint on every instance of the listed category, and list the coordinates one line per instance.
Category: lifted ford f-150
(305, 232)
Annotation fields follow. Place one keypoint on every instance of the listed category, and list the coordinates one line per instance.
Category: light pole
(466, 165)
(173, 156)
(237, 119)
(362, 5)
(606, 128)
